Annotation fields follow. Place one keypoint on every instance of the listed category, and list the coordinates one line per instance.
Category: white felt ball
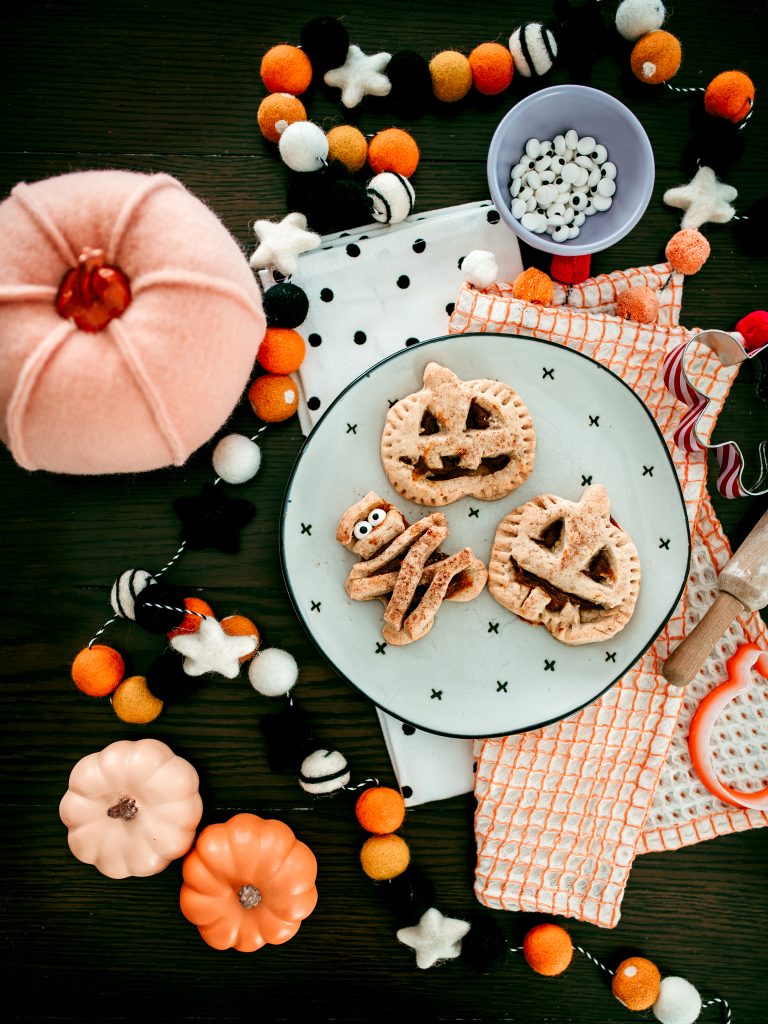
(125, 590)
(533, 49)
(480, 268)
(324, 772)
(678, 1002)
(393, 197)
(236, 459)
(636, 17)
(303, 146)
(273, 672)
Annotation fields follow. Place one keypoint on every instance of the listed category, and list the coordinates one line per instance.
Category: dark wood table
(169, 86)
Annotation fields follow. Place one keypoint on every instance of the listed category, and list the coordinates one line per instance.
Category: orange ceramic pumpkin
(248, 882)
(131, 808)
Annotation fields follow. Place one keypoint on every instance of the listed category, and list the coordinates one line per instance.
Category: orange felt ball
(534, 286)
(380, 810)
(639, 304)
(636, 983)
(98, 670)
(286, 69)
(348, 145)
(273, 398)
(132, 702)
(451, 76)
(277, 108)
(191, 623)
(687, 251)
(393, 150)
(239, 625)
(384, 857)
(281, 351)
(548, 949)
(656, 57)
(492, 68)
(730, 95)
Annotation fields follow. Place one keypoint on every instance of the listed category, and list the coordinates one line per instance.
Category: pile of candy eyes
(556, 185)
(364, 526)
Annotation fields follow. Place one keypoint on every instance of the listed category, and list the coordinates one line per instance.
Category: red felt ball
(570, 269)
(286, 69)
(492, 68)
(754, 329)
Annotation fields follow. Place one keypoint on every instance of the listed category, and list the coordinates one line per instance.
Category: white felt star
(360, 75)
(210, 649)
(434, 938)
(280, 245)
(704, 199)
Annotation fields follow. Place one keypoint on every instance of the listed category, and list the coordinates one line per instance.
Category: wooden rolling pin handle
(686, 659)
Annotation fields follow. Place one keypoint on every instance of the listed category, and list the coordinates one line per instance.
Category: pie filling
(461, 581)
(451, 469)
(557, 598)
(478, 418)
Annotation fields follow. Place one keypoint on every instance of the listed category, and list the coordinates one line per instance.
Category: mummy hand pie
(456, 438)
(567, 566)
(404, 567)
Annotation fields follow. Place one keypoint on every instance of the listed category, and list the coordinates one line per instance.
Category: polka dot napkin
(381, 288)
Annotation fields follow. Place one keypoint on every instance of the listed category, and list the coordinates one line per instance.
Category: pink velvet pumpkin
(129, 322)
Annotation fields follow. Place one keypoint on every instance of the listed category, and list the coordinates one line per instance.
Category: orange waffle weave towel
(563, 811)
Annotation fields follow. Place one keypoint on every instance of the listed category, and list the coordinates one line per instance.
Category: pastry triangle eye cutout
(403, 566)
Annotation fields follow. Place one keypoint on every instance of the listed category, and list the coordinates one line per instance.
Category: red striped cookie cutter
(730, 351)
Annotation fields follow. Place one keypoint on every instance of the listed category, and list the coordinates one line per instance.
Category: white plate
(481, 671)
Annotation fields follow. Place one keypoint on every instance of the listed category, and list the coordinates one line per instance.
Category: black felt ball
(325, 41)
(349, 206)
(716, 143)
(583, 34)
(484, 948)
(411, 81)
(306, 193)
(285, 305)
(409, 895)
(752, 232)
(288, 734)
(331, 199)
(159, 608)
(167, 680)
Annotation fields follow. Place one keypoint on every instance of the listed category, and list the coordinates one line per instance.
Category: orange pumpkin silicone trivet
(248, 882)
(740, 666)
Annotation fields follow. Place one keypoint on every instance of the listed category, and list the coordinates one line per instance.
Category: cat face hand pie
(567, 566)
(404, 567)
(457, 438)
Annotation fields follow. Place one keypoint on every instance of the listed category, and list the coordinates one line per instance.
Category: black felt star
(213, 519)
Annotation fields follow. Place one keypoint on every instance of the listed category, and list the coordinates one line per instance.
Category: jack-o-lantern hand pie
(567, 566)
(457, 438)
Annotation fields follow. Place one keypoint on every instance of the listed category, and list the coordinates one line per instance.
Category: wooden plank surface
(174, 87)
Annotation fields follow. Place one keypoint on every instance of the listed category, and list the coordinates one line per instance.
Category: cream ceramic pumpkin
(131, 808)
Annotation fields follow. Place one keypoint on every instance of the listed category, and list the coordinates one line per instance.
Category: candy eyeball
(361, 529)
(378, 515)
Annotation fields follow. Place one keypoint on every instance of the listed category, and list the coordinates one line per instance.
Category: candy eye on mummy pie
(556, 184)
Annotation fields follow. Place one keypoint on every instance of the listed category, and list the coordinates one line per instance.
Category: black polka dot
(408, 729)
(353, 250)
(474, 767)
(406, 791)
(278, 276)
(403, 281)
(419, 245)
(461, 261)
(360, 337)
(313, 404)
(315, 340)
(492, 217)
(411, 341)
(450, 308)
(363, 237)
(344, 234)
(326, 295)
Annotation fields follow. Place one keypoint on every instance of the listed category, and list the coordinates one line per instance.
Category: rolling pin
(743, 586)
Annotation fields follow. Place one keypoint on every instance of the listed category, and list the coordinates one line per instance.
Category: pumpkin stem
(126, 809)
(249, 896)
